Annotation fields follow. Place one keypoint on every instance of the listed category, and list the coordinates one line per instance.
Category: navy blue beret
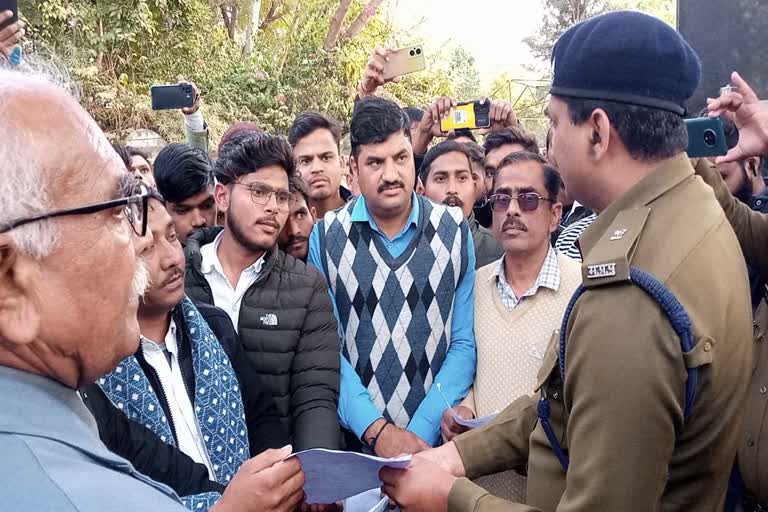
(628, 57)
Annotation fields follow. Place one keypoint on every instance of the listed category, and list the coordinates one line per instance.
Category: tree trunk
(252, 29)
(230, 20)
(359, 24)
(100, 55)
(336, 22)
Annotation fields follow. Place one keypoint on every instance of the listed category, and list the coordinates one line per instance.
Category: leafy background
(258, 60)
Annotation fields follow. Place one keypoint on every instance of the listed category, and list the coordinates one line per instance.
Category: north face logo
(269, 319)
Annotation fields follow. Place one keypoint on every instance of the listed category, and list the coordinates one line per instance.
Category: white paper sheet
(332, 476)
(369, 501)
(470, 424)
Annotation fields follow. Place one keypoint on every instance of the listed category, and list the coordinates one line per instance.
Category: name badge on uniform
(601, 270)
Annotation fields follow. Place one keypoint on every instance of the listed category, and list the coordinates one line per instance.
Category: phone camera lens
(412, 53)
(418, 51)
(710, 138)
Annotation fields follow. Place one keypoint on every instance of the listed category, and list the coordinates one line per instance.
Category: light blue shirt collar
(360, 213)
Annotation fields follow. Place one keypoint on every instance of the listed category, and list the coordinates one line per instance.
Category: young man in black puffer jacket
(280, 306)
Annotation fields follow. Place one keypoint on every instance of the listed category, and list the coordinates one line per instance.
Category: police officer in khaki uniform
(643, 419)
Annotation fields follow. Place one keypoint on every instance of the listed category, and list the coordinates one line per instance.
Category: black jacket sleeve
(315, 374)
(145, 450)
(264, 428)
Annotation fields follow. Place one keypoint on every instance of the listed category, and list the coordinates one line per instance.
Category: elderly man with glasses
(279, 306)
(70, 287)
(519, 299)
(72, 225)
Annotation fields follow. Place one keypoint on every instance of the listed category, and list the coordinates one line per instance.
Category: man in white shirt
(279, 305)
(188, 365)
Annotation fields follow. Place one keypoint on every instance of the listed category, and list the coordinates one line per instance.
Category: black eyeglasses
(261, 194)
(135, 210)
(527, 201)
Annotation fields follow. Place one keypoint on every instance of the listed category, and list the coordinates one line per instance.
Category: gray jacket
(197, 139)
(53, 458)
(487, 249)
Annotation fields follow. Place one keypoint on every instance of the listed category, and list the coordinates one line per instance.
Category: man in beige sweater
(519, 299)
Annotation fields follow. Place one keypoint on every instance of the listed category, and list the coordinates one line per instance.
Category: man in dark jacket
(745, 182)
(194, 388)
(446, 177)
(280, 306)
(294, 238)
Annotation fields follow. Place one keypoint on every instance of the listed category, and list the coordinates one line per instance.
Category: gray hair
(24, 184)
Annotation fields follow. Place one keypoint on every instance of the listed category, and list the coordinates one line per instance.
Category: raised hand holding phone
(196, 101)
(748, 113)
(467, 115)
(172, 97)
(705, 137)
(11, 29)
(502, 115)
(387, 65)
(429, 126)
(373, 78)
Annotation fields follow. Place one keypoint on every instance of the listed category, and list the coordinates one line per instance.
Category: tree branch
(336, 22)
(359, 24)
(273, 14)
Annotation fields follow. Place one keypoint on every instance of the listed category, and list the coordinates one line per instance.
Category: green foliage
(116, 49)
(528, 97)
(464, 74)
(665, 10)
(559, 15)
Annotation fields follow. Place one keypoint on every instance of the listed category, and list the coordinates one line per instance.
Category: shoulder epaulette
(608, 261)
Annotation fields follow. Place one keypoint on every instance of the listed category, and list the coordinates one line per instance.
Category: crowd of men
(173, 329)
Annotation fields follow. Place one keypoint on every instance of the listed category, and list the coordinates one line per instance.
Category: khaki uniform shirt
(619, 413)
(752, 230)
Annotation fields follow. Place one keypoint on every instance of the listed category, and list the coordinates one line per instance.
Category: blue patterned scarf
(218, 403)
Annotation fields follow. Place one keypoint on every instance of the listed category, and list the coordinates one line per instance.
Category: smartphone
(706, 137)
(404, 61)
(9, 5)
(468, 115)
(172, 97)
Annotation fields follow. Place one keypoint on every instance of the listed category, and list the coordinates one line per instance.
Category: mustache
(271, 221)
(175, 272)
(390, 184)
(317, 178)
(513, 222)
(141, 279)
(452, 200)
(298, 238)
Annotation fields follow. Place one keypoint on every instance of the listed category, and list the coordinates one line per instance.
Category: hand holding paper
(332, 476)
(468, 423)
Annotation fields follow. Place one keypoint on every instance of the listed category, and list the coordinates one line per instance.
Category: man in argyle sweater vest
(400, 269)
